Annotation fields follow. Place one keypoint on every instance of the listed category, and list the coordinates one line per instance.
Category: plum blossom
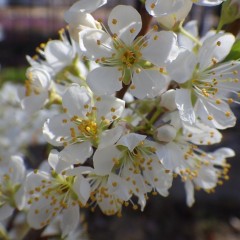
(83, 123)
(79, 16)
(37, 88)
(123, 57)
(12, 176)
(134, 160)
(180, 154)
(56, 193)
(209, 79)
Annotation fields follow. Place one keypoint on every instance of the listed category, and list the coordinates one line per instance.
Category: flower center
(129, 58)
(88, 128)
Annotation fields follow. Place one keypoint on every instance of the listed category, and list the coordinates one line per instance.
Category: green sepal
(234, 53)
(230, 12)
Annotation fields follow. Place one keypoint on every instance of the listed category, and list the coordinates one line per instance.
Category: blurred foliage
(16, 75)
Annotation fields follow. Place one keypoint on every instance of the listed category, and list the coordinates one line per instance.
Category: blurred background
(24, 25)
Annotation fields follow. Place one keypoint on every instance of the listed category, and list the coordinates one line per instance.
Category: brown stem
(146, 18)
(120, 94)
(34, 234)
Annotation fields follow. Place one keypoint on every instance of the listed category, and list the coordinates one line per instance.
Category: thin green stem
(155, 116)
(189, 35)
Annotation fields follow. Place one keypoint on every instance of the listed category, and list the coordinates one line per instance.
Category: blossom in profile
(12, 176)
(37, 88)
(171, 13)
(179, 153)
(56, 193)
(123, 58)
(79, 17)
(206, 76)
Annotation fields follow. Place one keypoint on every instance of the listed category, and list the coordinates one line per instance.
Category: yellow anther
(114, 21)
(210, 118)
(132, 30)
(153, 5)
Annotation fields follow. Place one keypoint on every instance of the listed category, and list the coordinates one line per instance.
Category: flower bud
(166, 133)
(168, 100)
(230, 12)
(173, 20)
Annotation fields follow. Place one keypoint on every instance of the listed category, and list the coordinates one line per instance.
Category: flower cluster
(133, 110)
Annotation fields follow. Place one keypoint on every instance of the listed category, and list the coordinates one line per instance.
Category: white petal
(149, 83)
(109, 106)
(55, 162)
(221, 115)
(34, 103)
(70, 219)
(110, 137)
(74, 100)
(171, 156)
(87, 6)
(215, 49)
(104, 80)
(207, 178)
(201, 134)
(35, 179)
(58, 54)
(131, 140)
(121, 189)
(89, 44)
(77, 153)
(208, 2)
(5, 211)
(78, 22)
(161, 48)
(82, 188)
(187, 60)
(163, 7)
(126, 22)
(39, 213)
(189, 188)
(55, 128)
(103, 159)
(20, 198)
(18, 170)
(184, 105)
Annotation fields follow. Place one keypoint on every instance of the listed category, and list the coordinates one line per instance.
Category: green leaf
(234, 53)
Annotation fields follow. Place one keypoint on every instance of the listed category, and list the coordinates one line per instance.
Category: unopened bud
(230, 12)
(166, 133)
(168, 100)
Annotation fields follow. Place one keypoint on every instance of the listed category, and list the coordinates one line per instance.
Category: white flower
(133, 159)
(211, 174)
(194, 166)
(82, 124)
(37, 87)
(63, 62)
(109, 191)
(78, 16)
(209, 80)
(169, 13)
(12, 175)
(123, 57)
(54, 194)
